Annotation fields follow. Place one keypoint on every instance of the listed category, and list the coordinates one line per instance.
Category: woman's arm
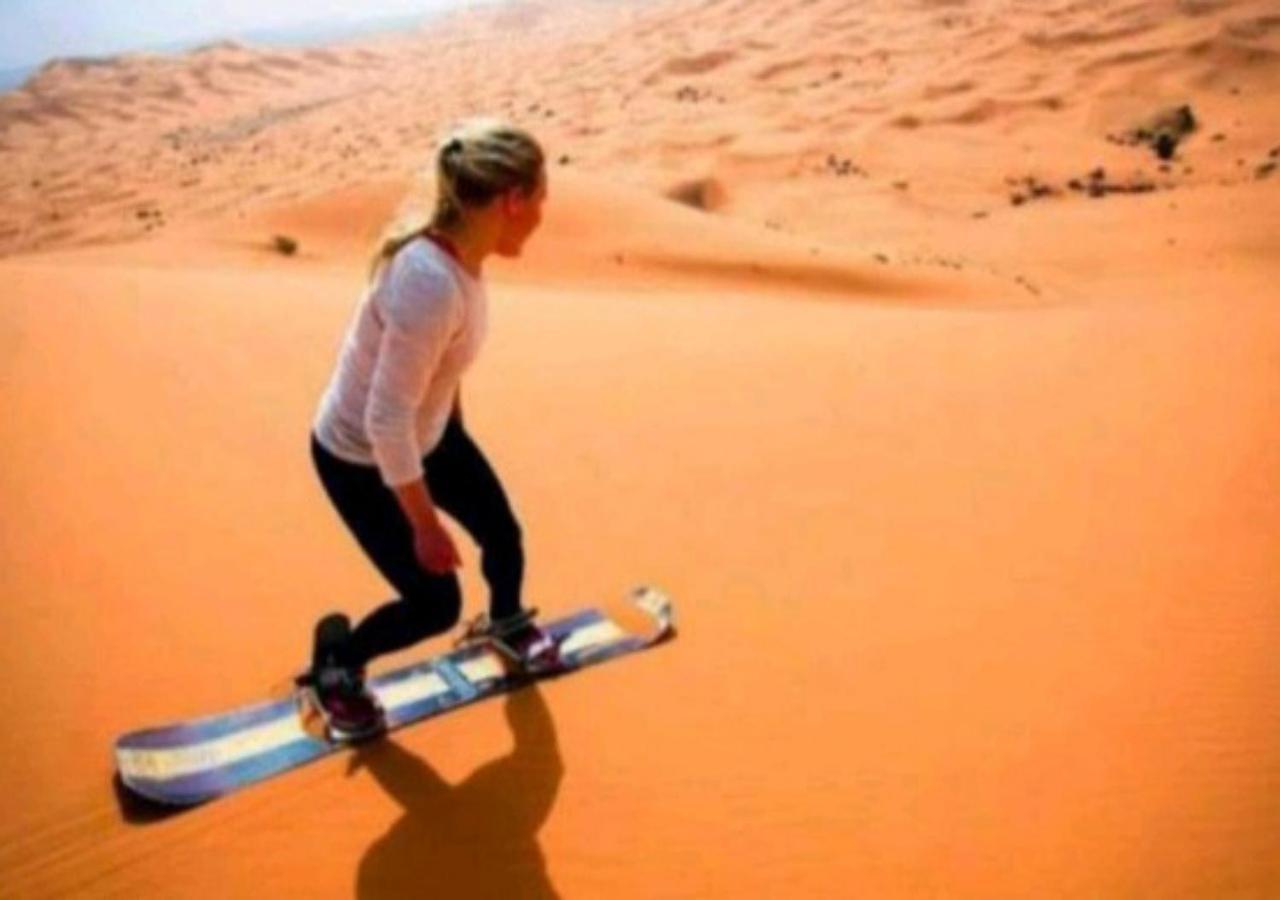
(420, 316)
(417, 504)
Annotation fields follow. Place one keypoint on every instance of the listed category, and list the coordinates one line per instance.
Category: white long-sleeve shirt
(414, 333)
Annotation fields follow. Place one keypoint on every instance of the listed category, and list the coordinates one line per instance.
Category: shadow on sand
(477, 838)
(138, 810)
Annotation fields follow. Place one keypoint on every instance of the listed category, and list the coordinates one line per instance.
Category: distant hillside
(315, 33)
(12, 78)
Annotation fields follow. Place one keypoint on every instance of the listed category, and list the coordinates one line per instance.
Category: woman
(388, 440)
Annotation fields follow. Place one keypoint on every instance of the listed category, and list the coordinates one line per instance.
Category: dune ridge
(924, 352)
(697, 94)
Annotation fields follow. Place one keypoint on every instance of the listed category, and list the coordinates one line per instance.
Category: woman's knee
(436, 602)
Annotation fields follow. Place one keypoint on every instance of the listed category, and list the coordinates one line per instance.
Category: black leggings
(463, 484)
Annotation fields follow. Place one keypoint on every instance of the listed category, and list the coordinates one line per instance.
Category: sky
(33, 31)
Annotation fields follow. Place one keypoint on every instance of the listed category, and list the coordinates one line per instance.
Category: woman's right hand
(434, 548)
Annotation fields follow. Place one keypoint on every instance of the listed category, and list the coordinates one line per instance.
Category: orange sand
(969, 509)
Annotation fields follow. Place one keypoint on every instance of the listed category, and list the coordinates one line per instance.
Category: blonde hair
(478, 160)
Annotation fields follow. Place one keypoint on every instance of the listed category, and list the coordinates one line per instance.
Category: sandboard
(190, 762)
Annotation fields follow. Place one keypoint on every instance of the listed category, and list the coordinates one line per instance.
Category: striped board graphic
(190, 762)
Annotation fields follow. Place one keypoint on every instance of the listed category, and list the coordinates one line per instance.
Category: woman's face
(521, 217)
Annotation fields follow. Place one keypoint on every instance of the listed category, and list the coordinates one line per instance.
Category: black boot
(351, 710)
(524, 642)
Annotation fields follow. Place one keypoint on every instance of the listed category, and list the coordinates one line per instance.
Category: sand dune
(923, 352)
(1015, 92)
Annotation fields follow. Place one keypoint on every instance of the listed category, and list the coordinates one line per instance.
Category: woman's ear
(513, 202)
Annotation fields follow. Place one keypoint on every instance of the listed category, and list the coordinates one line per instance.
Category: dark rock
(1163, 131)
(284, 245)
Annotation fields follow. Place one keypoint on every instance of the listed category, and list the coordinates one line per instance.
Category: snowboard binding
(519, 640)
(335, 694)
